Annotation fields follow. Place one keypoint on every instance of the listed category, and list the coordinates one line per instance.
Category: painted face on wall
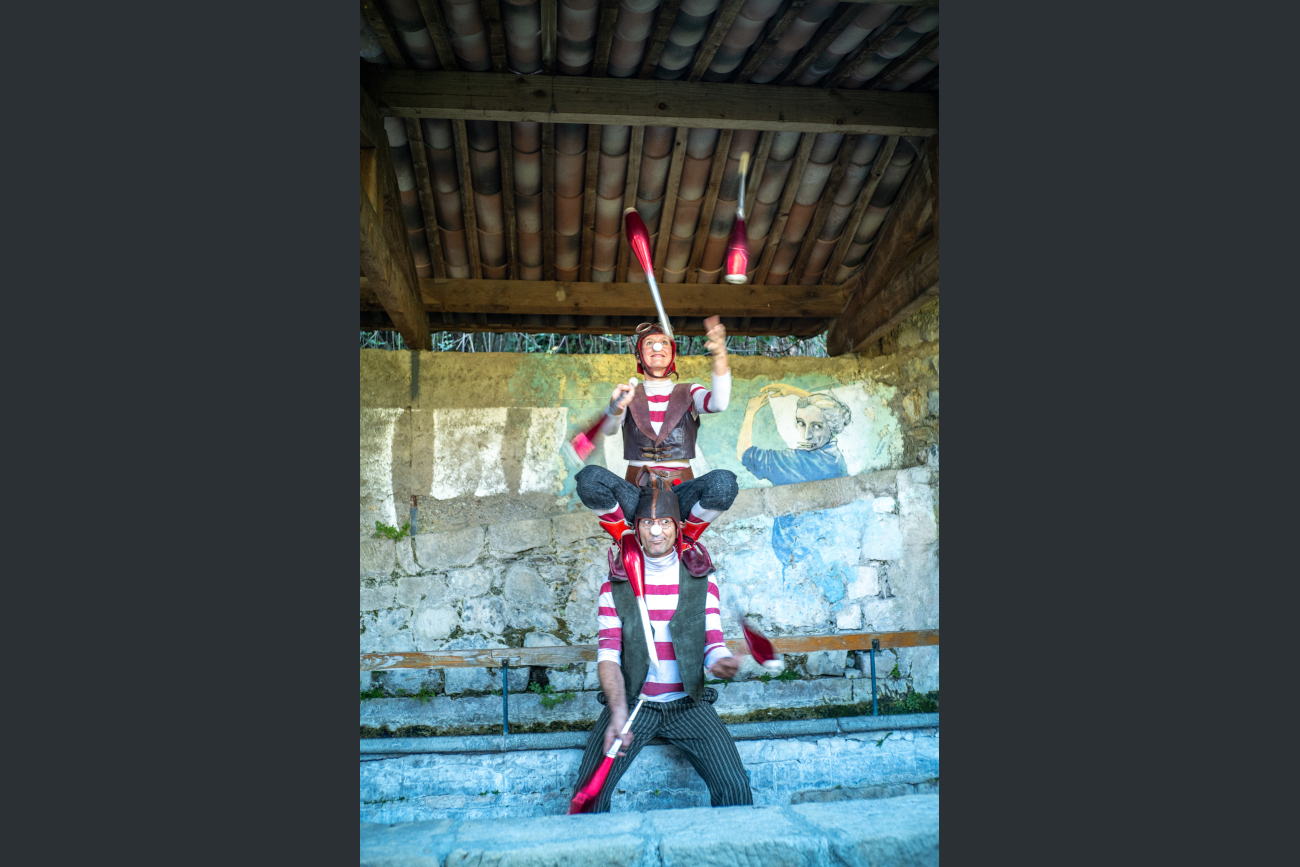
(657, 536)
(814, 430)
(656, 354)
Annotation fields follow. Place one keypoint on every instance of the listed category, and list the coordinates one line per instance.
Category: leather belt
(640, 476)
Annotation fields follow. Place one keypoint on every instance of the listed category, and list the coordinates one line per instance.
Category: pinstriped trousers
(691, 726)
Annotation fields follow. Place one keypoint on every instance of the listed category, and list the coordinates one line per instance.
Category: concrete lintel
(374, 747)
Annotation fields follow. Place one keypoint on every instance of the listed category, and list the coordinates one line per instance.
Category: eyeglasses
(664, 523)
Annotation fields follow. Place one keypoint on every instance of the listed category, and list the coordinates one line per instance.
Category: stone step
(903, 830)
(412, 782)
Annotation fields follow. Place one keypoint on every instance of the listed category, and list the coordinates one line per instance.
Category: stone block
(386, 631)
(519, 536)
(468, 583)
(406, 556)
(433, 625)
(866, 582)
(573, 528)
(916, 506)
(902, 830)
(826, 663)
(881, 483)
(449, 548)
(377, 558)
(883, 504)
(571, 677)
(849, 618)
(420, 591)
(933, 403)
(922, 664)
(377, 597)
(811, 496)
(882, 537)
(412, 680)
(486, 614)
(542, 639)
(592, 680)
(528, 599)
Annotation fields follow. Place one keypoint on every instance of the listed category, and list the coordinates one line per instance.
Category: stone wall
(506, 556)
(781, 771)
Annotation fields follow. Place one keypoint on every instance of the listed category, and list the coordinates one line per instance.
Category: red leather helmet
(644, 330)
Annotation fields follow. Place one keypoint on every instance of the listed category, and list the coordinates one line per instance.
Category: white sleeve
(612, 422)
(716, 399)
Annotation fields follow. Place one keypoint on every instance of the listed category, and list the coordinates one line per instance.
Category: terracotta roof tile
(568, 248)
(530, 249)
(604, 251)
(611, 175)
(679, 253)
(453, 247)
(528, 173)
(695, 177)
(570, 174)
(714, 249)
(568, 214)
(492, 247)
(685, 216)
(609, 215)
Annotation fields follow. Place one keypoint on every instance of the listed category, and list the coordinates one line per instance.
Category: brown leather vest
(676, 438)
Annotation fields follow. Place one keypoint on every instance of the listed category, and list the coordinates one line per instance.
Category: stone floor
(903, 830)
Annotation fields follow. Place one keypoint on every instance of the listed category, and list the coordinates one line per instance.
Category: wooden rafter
(878, 166)
(868, 48)
(916, 282)
(655, 44)
(828, 33)
(548, 36)
(589, 201)
(496, 34)
(670, 202)
(385, 247)
(503, 323)
(823, 208)
(577, 99)
(891, 253)
(760, 53)
(722, 21)
(438, 31)
(904, 61)
(792, 182)
(629, 196)
(424, 187)
(378, 22)
(506, 149)
(467, 198)
(548, 201)
(541, 297)
(701, 239)
(759, 166)
(604, 37)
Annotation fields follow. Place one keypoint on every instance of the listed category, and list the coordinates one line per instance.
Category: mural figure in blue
(819, 418)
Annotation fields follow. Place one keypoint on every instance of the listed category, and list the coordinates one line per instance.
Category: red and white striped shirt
(661, 579)
(707, 400)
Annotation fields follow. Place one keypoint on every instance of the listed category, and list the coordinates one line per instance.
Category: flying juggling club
(760, 647)
(585, 800)
(638, 238)
(737, 255)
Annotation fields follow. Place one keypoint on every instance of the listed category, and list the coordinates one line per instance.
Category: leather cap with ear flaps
(658, 500)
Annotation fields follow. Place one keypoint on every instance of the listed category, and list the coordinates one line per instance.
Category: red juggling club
(585, 800)
(760, 647)
(737, 255)
(638, 238)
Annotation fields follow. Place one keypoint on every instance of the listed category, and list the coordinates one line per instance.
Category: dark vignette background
(181, 219)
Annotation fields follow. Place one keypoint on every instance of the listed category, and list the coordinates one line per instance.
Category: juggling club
(638, 238)
(585, 800)
(760, 647)
(737, 255)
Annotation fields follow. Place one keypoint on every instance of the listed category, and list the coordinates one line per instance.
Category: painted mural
(805, 426)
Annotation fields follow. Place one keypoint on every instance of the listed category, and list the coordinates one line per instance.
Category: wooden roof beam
(563, 298)
(386, 258)
(579, 99)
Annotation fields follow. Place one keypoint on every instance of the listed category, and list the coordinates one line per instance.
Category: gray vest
(687, 628)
